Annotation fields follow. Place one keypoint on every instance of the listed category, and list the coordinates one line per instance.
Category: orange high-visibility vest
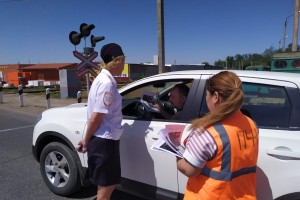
(230, 174)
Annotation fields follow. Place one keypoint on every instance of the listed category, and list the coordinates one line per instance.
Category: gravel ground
(34, 104)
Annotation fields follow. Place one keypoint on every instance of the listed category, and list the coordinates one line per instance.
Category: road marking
(12, 129)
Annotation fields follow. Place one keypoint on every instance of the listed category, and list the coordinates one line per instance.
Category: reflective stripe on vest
(225, 173)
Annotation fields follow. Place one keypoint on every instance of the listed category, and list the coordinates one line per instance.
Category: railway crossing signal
(86, 65)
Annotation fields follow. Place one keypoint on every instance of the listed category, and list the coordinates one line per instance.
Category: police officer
(104, 129)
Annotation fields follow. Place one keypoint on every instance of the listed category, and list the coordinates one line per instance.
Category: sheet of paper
(148, 101)
(169, 140)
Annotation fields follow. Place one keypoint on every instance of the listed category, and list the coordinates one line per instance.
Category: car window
(280, 64)
(150, 93)
(296, 63)
(267, 105)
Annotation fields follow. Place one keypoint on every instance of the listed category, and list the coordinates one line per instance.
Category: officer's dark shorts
(104, 161)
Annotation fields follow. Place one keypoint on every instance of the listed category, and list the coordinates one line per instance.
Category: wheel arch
(48, 137)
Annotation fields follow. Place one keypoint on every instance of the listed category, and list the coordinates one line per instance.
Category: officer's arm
(187, 168)
(93, 124)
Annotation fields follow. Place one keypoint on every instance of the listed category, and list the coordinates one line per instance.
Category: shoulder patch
(108, 99)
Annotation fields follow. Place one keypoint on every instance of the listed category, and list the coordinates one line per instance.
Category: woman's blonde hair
(112, 64)
(229, 87)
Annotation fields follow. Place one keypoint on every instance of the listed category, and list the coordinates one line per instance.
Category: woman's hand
(187, 168)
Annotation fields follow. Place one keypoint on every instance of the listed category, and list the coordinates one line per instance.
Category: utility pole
(161, 36)
(296, 26)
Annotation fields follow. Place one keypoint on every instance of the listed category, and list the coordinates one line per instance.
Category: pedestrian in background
(101, 141)
(221, 152)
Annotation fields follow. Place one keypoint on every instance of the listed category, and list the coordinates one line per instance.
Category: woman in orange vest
(222, 149)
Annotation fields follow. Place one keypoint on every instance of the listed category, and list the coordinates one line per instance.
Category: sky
(195, 31)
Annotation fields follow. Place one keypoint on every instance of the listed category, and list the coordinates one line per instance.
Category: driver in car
(178, 96)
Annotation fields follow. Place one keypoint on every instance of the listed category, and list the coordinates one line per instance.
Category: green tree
(230, 62)
(220, 63)
(289, 48)
(241, 61)
(267, 56)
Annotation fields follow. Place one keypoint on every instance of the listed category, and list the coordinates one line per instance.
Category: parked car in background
(272, 100)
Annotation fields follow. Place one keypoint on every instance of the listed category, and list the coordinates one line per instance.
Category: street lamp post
(284, 33)
(283, 41)
(295, 32)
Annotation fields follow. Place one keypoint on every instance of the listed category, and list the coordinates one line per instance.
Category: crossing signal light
(85, 29)
(75, 37)
(94, 40)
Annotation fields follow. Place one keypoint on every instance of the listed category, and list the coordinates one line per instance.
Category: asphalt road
(19, 172)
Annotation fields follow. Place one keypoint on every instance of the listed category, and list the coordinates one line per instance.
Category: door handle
(289, 154)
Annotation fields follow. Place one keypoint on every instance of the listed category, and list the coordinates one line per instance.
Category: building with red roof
(46, 72)
(9, 73)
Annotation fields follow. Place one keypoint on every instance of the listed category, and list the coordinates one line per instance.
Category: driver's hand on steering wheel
(158, 106)
(162, 111)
